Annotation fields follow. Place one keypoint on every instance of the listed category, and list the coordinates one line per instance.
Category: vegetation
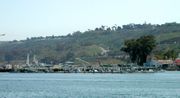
(170, 54)
(90, 44)
(139, 49)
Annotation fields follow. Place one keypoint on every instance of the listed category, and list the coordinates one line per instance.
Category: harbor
(64, 68)
(34, 66)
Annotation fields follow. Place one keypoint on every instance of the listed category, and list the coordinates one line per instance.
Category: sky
(20, 19)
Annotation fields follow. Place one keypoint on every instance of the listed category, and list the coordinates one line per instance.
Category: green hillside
(167, 36)
(89, 44)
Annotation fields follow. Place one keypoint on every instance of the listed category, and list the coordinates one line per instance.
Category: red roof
(177, 61)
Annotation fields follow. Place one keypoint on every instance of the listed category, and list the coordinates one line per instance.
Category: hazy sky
(20, 19)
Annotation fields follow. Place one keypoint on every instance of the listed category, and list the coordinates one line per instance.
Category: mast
(27, 60)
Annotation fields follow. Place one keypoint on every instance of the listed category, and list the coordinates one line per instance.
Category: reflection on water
(55, 85)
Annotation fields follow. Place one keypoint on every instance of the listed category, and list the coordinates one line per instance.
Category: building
(152, 63)
(69, 63)
(177, 62)
(166, 63)
(8, 66)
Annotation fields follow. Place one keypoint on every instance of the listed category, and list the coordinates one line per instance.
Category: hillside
(89, 44)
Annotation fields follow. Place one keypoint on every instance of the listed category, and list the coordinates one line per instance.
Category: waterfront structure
(152, 63)
(27, 60)
(177, 62)
(35, 61)
(8, 66)
(166, 63)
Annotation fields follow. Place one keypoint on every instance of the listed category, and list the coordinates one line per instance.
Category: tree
(170, 54)
(77, 33)
(139, 49)
(130, 48)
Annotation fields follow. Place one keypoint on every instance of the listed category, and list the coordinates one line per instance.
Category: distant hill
(89, 44)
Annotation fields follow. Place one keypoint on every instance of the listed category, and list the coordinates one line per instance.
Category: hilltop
(101, 43)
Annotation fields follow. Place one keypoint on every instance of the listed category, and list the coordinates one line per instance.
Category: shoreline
(97, 72)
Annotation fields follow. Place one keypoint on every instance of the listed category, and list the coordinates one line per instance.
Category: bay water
(88, 85)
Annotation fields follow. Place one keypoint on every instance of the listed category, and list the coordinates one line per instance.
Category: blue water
(58, 85)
